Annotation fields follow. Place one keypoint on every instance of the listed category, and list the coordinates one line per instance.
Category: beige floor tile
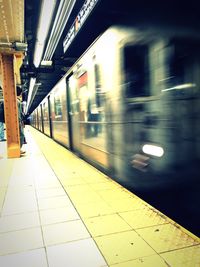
(19, 201)
(19, 222)
(46, 172)
(187, 257)
(4, 179)
(6, 167)
(3, 150)
(64, 232)
(20, 190)
(148, 217)
(47, 184)
(82, 253)
(104, 225)
(18, 241)
(33, 258)
(23, 173)
(46, 178)
(151, 261)
(50, 192)
(94, 209)
(57, 215)
(21, 181)
(166, 237)
(2, 196)
(54, 202)
(122, 247)
(43, 165)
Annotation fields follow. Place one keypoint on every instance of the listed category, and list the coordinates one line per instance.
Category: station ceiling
(19, 23)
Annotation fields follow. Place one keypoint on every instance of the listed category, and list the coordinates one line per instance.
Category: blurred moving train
(130, 106)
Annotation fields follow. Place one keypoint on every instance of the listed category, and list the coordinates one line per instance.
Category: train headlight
(153, 150)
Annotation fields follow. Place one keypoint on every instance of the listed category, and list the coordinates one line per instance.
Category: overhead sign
(79, 21)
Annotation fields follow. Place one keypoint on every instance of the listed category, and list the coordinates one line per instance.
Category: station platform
(58, 211)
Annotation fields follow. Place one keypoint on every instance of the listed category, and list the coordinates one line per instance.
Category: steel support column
(9, 76)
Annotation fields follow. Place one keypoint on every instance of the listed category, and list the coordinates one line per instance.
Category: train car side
(130, 106)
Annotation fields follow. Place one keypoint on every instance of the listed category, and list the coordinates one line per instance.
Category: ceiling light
(46, 14)
(46, 63)
(30, 93)
(62, 15)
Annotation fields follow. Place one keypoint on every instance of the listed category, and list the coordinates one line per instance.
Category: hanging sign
(79, 21)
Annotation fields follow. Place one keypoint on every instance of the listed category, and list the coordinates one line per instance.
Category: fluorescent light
(46, 62)
(62, 15)
(46, 14)
(30, 92)
(38, 54)
(153, 150)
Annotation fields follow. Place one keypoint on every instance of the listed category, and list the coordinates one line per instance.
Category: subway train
(130, 106)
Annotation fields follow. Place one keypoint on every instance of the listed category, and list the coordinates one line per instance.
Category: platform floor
(58, 211)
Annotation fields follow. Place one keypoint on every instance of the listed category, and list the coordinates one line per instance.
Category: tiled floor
(58, 211)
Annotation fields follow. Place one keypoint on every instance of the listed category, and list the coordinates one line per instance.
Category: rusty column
(10, 72)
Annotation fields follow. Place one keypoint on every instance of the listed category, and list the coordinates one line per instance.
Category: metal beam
(17, 65)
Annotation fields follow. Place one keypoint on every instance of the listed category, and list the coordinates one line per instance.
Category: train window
(180, 62)
(73, 95)
(91, 107)
(96, 103)
(44, 112)
(136, 70)
(83, 96)
(99, 91)
(57, 106)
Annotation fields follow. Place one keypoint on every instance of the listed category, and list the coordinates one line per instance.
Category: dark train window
(136, 71)
(180, 64)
